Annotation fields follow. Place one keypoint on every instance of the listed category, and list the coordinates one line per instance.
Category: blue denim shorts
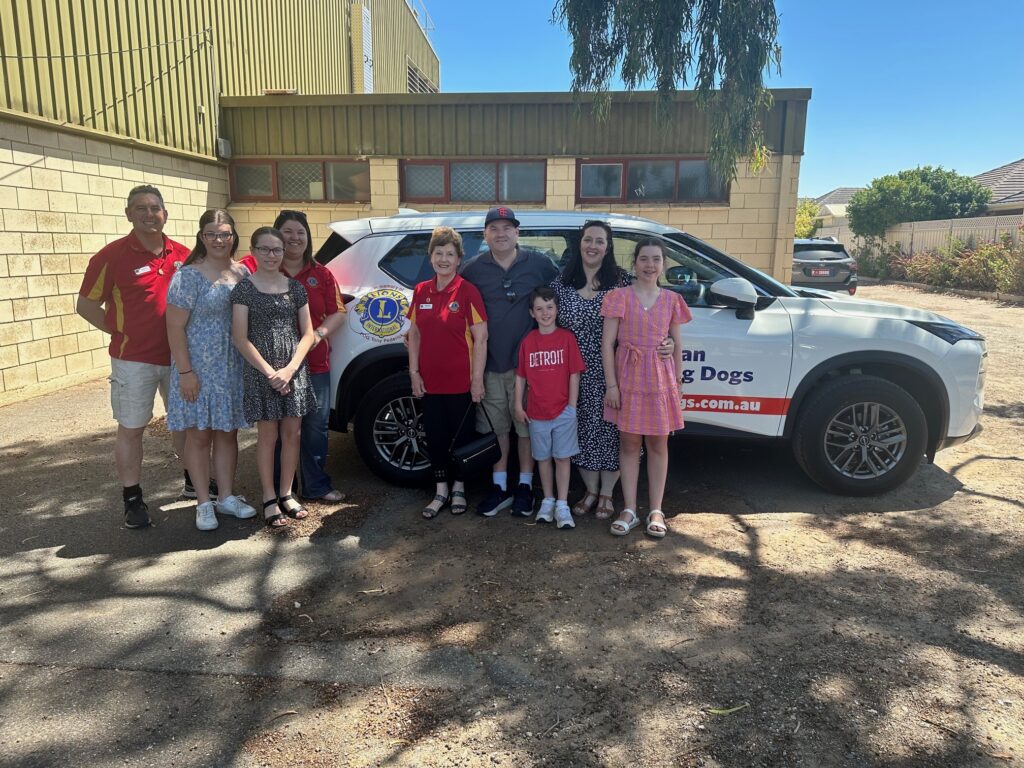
(555, 439)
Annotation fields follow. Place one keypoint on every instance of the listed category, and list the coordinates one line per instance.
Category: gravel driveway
(776, 625)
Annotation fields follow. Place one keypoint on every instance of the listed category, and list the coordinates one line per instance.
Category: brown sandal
(582, 506)
(605, 508)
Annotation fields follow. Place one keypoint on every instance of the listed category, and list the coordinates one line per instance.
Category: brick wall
(62, 198)
(756, 225)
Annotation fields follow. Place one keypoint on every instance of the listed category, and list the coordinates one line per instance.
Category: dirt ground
(775, 625)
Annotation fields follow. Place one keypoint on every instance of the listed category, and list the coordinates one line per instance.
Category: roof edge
(497, 97)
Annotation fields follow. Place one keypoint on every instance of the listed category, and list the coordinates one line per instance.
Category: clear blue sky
(895, 84)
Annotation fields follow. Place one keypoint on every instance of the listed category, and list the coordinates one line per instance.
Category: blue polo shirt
(506, 295)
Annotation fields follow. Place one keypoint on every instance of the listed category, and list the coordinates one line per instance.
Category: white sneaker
(206, 517)
(563, 516)
(236, 507)
(546, 513)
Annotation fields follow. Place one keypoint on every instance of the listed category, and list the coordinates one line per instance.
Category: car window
(409, 263)
(334, 245)
(820, 253)
(553, 243)
(686, 271)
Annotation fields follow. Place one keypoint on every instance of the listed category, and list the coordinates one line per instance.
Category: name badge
(143, 270)
(426, 306)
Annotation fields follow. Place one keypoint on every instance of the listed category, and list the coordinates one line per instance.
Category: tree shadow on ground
(64, 495)
(512, 643)
(829, 663)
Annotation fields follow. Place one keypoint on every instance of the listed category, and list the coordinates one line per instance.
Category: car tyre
(389, 432)
(860, 436)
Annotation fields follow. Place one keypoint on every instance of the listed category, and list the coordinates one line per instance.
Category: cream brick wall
(62, 198)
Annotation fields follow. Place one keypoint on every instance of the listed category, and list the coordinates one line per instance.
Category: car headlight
(948, 332)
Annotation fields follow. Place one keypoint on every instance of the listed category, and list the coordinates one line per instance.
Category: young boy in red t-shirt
(548, 380)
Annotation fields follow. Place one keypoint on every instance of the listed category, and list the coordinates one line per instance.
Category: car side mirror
(678, 275)
(734, 292)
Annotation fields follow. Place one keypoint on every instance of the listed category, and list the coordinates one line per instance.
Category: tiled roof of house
(1006, 181)
(838, 196)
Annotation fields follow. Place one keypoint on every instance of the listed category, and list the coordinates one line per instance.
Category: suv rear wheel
(389, 432)
(860, 435)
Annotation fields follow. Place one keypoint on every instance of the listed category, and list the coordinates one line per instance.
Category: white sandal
(654, 527)
(622, 527)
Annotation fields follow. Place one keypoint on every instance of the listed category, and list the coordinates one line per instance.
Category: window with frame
(682, 180)
(474, 181)
(341, 181)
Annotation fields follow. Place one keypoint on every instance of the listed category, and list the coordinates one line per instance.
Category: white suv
(862, 390)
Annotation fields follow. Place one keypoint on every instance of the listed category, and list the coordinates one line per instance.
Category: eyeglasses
(262, 250)
(296, 214)
(510, 293)
(216, 237)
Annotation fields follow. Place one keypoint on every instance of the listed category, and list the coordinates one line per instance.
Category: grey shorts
(133, 388)
(499, 399)
(555, 439)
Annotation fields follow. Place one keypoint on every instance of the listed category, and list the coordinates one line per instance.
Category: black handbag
(477, 455)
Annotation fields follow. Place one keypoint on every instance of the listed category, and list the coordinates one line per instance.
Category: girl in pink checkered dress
(642, 390)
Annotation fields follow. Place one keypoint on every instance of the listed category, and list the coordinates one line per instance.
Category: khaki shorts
(499, 402)
(133, 388)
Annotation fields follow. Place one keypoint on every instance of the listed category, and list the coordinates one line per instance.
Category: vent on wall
(223, 149)
(416, 81)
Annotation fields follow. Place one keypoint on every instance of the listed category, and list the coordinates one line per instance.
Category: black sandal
(458, 507)
(274, 521)
(430, 513)
(298, 513)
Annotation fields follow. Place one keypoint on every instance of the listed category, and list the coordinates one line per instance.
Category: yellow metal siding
(486, 125)
(143, 68)
(397, 33)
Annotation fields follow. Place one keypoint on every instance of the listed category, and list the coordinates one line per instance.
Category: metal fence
(921, 236)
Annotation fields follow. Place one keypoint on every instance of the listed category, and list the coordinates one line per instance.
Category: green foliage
(920, 194)
(985, 267)
(806, 218)
(724, 46)
(876, 258)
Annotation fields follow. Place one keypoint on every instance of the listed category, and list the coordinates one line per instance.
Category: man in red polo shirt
(124, 293)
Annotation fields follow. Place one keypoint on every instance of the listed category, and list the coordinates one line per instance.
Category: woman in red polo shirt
(327, 311)
(447, 352)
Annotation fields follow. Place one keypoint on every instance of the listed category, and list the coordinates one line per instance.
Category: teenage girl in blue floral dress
(206, 371)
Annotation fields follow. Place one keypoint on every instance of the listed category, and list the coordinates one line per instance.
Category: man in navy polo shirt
(505, 275)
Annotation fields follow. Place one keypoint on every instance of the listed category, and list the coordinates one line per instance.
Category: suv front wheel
(860, 435)
(389, 432)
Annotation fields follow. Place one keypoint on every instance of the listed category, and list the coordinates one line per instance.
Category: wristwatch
(320, 333)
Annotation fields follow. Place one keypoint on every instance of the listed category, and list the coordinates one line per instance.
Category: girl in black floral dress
(587, 277)
(272, 329)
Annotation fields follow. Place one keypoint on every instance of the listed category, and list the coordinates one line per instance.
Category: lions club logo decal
(381, 312)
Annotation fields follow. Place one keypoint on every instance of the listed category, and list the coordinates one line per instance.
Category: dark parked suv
(823, 263)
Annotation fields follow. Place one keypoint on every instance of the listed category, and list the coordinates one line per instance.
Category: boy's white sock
(526, 478)
(500, 479)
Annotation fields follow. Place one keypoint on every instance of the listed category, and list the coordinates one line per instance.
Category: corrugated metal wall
(144, 68)
(393, 40)
(485, 125)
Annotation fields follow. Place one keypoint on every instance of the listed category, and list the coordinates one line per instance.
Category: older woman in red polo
(447, 352)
